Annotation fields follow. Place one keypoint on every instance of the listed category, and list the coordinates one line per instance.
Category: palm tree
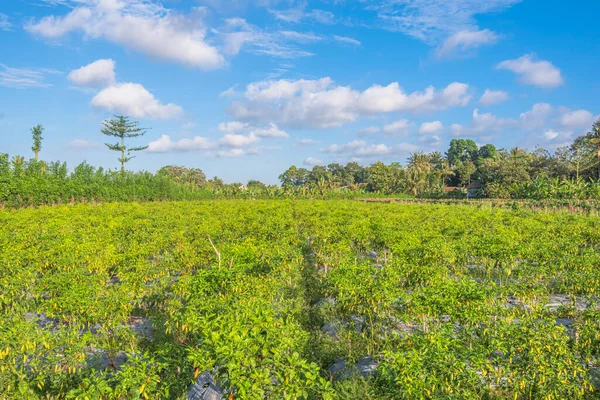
(594, 139)
(419, 168)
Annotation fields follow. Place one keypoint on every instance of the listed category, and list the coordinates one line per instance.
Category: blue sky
(243, 89)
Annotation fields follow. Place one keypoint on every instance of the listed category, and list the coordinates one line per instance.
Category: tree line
(571, 171)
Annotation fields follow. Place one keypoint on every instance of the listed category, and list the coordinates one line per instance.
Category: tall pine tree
(122, 128)
(36, 134)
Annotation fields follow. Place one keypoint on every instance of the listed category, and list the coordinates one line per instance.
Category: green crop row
(298, 299)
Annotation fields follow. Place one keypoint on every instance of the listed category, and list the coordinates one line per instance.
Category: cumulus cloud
(536, 117)
(165, 145)
(138, 25)
(533, 72)
(272, 131)
(134, 100)
(545, 120)
(321, 103)
(232, 127)
(240, 134)
(430, 127)
(100, 73)
(482, 124)
(232, 153)
(395, 128)
(464, 41)
(360, 148)
(311, 161)
(492, 97)
(577, 119)
(236, 140)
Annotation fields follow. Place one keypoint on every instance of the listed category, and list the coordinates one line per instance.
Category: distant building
(474, 190)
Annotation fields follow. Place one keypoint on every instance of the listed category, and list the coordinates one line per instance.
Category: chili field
(288, 299)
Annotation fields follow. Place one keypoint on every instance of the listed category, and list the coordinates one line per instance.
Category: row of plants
(298, 299)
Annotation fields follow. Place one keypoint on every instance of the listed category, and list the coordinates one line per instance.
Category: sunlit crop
(287, 299)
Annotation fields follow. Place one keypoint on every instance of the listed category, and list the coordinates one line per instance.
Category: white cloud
(133, 100)
(231, 92)
(550, 134)
(233, 153)
(543, 120)
(5, 24)
(165, 145)
(431, 140)
(536, 117)
(463, 41)
(482, 124)
(272, 131)
(297, 14)
(23, 78)
(100, 73)
(232, 127)
(492, 97)
(311, 161)
(347, 40)
(238, 35)
(236, 140)
(434, 20)
(398, 127)
(308, 142)
(360, 148)
(139, 25)
(431, 127)
(301, 37)
(320, 103)
(576, 119)
(81, 144)
(532, 72)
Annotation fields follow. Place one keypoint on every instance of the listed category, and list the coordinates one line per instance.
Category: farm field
(291, 299)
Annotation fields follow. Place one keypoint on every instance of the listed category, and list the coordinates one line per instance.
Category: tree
(386, 178)
(121, 128)
(588, 148)
(461, 151)
(354, 173)
(254, 184)
(465, 171)
(36, 133)
(319, 175)
(293, 177)
(485, 152)
(182, 175)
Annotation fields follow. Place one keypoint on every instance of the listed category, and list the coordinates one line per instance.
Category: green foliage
(461, 151)
(454, 303)
(122, 128)
(36, 134)
(185, 176)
